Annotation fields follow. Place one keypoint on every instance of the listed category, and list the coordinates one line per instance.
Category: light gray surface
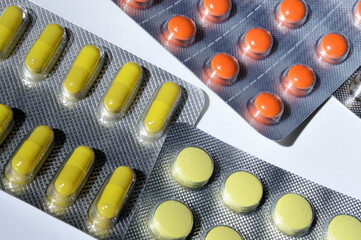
(114, 145)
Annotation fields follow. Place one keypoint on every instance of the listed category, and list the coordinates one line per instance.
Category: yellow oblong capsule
(159, 111)
(13, 22)
(122, 92)
(44, 53)
(70, 179)
(6, 121)
(83, 73)
(30, 156)
(107, 206)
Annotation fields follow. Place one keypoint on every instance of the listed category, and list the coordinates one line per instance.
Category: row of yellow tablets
(242, 192)
(85, 69)
(67, 184)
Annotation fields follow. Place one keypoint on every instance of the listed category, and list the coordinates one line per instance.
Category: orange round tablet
(225, 66)
(181, 27)
(268, 105)
(292, 11)
(357, 12)
(358, 8)
(258, 40)
(301, 76)
(333, 46)
(217, 7)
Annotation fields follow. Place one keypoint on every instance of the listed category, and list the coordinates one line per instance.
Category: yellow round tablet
(344, 227)
(171, 220)
(222, 232)
(192, 167)
(242, 191)
(293, 214)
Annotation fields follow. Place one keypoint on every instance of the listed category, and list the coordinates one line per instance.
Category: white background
(324, 149)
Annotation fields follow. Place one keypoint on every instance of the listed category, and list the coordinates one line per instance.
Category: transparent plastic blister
(115, 142)
(310, 208)
(294, 40)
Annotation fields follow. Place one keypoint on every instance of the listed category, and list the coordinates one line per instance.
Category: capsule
(83, 73)
(107, 206)
(44, 53)
(13, 22)
(71, 178)
(122, 92)
(333, 48)
(159, 112)
(222, 69)
(292, 13)
(256, 43)
(299, 80)
(137, 4)
(179, 30)
(266, 108)
(343, 227)
(215, 10)
(6, 121)
(30, 156)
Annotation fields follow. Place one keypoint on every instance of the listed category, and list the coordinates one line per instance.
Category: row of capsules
(222, 68)
(242, 192)
(46, 51)
(34, 150)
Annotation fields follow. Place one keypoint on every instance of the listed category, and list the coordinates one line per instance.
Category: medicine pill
(171, 220)
(6, 121)
(215, 10)
(179, 30)
(333, 48)
(44, 53)
(343, 227)
(222, 232)
(159, 111)
(13, 22)
(30, 156)
(256, 43)
(222, 69)
(122, 92)
(70, 179)
(192, 167)
(106, 208)
(292, 13)
(137, 4)
(266, 108)
(357, 12)
(293, 214)
(299, 80)
(242, 191)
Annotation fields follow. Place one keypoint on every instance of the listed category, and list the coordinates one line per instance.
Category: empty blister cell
(222, 232)
(83, 73)
(299, 80)
(292, 13)
(333, 48)
(107, 206)
(222, 68)
(30, 156)
(266, 108)
(192, 167)
(6, 121)
(256, 43)
(215, 10)
(343, 227)
(122, 92)
(44, 53)
(171, 220)
(179, 30)
(292, 214)
(13, 22)
(71, 177)
(159, 112)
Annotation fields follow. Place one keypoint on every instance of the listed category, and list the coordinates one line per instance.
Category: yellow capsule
(6, 121)
(13, 23)
(83, 73)
(159, 113)
(69, 181)
(122, 92)
(30, 156)
(44, 53)
(106, 208)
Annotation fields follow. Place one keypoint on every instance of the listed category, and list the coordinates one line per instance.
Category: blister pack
(202, 188)
(273, 62)
(83, 120)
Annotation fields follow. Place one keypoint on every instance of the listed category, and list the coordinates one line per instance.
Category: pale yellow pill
(69, 181)
(293, 214)
(30, 156)
(83, 73)
(344, 227)
(171, 220)
(106, 208)
(242, 191)
(13, 22)
(222, 232)
(192, 167)
(6, 121)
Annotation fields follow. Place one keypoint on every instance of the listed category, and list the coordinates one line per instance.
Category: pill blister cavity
(266, 108)
(136, 4)
(292, 13)
(6, 121)
(299, 80)
(222, 69)
(357, 12)
(256, 43)
(179, 30)
(215, 10)
(343, 227)
(333, 48)
(222, 232)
